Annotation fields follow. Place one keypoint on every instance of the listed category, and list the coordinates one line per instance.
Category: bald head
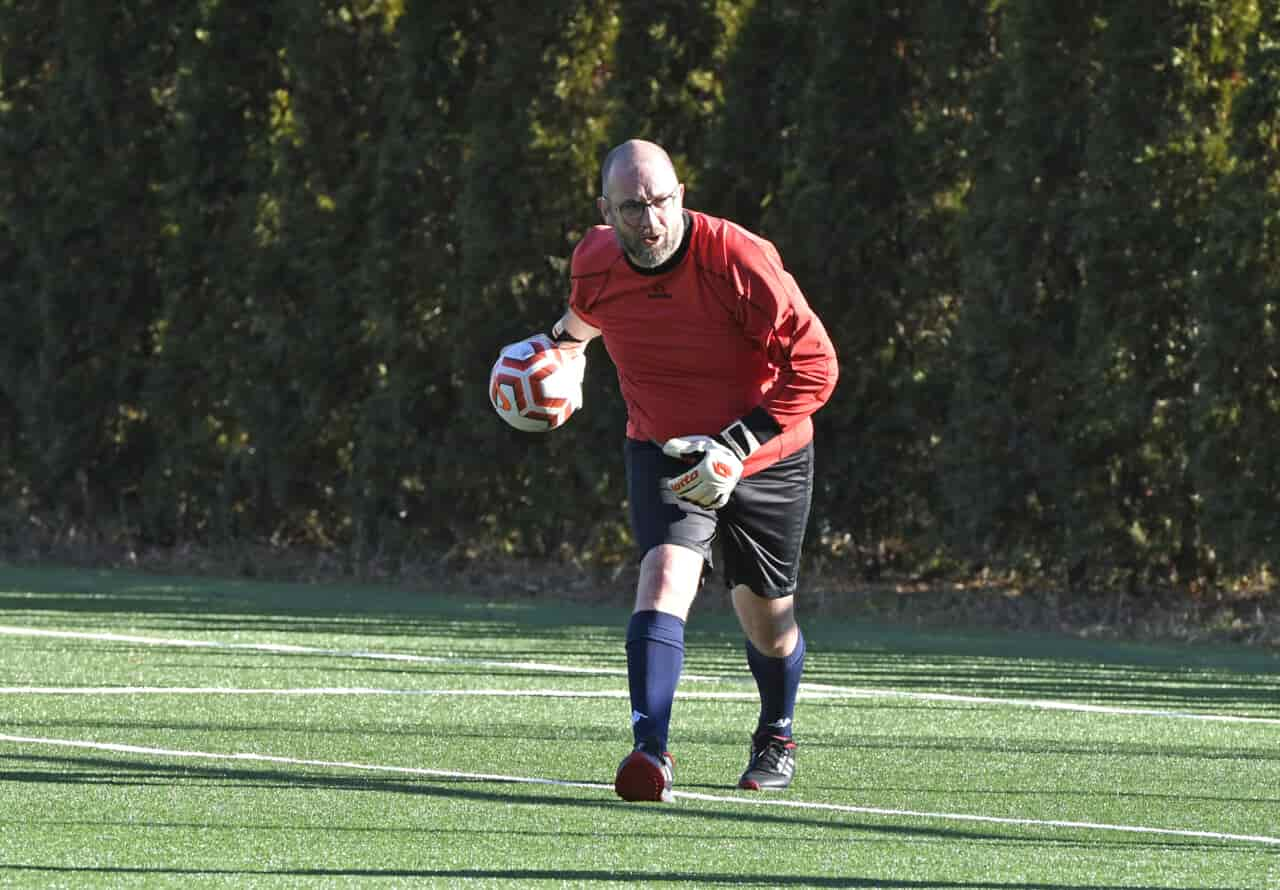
(642, 199)
(631, 158)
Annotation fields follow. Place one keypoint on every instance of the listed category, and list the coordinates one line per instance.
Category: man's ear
(602, 205)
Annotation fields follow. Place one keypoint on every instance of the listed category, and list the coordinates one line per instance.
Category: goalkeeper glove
(718, 459)
(739, 438)
(711, 479)
(560, 335)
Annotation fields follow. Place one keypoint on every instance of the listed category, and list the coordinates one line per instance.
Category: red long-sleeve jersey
(719, 330)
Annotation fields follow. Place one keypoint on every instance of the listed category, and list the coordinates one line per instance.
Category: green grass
(422, 745)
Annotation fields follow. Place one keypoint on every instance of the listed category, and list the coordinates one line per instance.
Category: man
(721, 362)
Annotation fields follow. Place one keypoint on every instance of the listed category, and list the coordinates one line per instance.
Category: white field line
(1041, 704)
(812, 690)
(368, 691)
(711, 798)
(287, 649)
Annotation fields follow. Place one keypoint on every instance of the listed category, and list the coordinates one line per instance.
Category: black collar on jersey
(675, 258)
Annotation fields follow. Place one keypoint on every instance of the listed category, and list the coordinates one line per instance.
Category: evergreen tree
(1154, 145)
(1236, 463)
(665, 84)
(534, 115)
(82, 144)
(1005, 462)
(765, 73)
(407, 274)
(218, 167)
(866, 218)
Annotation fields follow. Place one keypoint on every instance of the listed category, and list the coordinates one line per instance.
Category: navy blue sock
(655, 657)
(778, 680)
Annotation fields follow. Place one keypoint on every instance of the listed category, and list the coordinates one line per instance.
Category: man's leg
(669, 577)
(770, 624)
(675, 539)
(775, 655)
(763, 529)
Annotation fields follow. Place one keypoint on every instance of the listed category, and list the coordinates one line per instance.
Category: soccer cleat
(644, 775)
(772, 764)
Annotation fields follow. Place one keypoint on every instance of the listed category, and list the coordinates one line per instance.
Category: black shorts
(760, 531)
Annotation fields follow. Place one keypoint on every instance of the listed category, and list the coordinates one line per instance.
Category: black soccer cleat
(772, 765)
(645, 774)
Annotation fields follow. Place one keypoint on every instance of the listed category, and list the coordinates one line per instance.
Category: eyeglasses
(632, 212)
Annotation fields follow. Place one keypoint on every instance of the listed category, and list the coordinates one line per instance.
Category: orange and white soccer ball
(534, 386)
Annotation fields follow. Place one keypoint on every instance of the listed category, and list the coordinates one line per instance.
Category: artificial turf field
(203, 733)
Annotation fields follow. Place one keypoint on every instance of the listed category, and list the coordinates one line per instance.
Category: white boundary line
(806, 688)
(808, 692)
(369, 691)
(1044, 704)
(287, 649)
(710, 798)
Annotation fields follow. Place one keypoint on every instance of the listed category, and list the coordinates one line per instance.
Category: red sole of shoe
(639, 779)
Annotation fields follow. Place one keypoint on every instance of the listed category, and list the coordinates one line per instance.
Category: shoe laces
(773, 752)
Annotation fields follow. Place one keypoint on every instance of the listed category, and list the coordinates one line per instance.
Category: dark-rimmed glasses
(632, 211)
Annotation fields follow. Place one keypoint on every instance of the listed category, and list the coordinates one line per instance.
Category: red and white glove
(711, 479)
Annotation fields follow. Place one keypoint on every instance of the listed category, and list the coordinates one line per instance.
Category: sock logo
(781, 724)
(636, 717)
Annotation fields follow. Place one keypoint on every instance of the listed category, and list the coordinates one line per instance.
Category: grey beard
(649, 259)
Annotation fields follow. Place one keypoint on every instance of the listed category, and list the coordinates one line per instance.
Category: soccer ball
(534, 386)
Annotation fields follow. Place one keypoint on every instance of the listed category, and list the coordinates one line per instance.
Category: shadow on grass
(1008, 666)
(601, 878)
(984, 747)
(106, 771)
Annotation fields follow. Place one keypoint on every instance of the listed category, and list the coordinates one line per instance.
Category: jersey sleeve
(776, 314)
(588, 273)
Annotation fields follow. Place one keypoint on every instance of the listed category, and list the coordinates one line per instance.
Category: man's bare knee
(770, 624)
(669, 579)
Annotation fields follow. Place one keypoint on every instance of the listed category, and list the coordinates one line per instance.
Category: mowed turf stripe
(751, 801)
(812, 689)
(373, 691)
(1043, 704)
(290, 649)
